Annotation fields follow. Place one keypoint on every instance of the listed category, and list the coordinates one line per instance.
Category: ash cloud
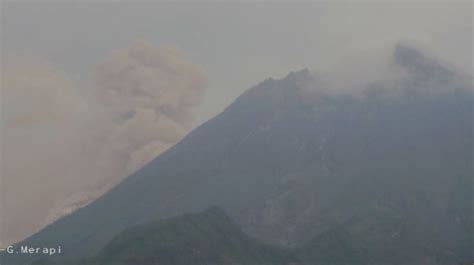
(63, 147)
(151, 93)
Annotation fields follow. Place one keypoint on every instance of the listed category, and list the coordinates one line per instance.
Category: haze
(67, 135)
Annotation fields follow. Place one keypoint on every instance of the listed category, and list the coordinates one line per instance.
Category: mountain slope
(206, 238)
(210, 237)
(392, 168)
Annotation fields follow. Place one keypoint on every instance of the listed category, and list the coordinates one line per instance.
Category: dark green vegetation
(383, 177)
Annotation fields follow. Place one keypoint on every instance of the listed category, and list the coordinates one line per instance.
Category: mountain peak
(300, 78)
(272, 94)
(297, 75)
(419, 63)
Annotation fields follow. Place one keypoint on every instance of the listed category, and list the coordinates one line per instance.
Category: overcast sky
(237, 44)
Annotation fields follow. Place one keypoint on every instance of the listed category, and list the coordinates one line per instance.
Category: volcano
(391, 168)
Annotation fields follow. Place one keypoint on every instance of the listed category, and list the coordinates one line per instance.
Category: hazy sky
(237, 44)
(92, 90)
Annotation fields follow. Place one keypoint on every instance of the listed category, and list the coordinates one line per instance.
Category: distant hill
(211, 238)
(389, 170)
(207, 238)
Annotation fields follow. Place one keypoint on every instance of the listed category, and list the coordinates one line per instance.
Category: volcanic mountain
(390, 168)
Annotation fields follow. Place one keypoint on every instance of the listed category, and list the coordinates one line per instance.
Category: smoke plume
(71, 145)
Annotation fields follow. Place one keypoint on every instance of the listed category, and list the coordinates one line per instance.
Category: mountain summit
(391, 171)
